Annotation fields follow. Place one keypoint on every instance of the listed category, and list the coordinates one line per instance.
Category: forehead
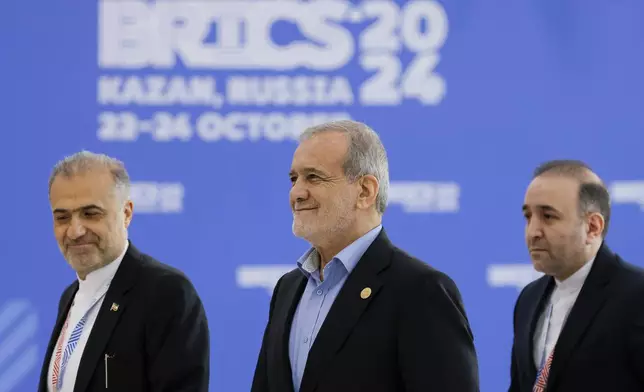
(324, 151)
(557, 191)
(94, 187)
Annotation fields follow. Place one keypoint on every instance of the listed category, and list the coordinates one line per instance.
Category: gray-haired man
(128, 322)
(357, 313)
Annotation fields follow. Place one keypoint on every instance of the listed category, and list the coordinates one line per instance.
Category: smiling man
(128, 322)
(357, 313)
(580, 327)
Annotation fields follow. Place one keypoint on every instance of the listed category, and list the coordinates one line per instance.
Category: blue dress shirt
(318, 297)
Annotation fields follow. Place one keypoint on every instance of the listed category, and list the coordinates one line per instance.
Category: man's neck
(82, 275)
(572, 269)
(330, 249)
(563, 275)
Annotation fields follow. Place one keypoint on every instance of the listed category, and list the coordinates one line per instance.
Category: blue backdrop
(203, 101)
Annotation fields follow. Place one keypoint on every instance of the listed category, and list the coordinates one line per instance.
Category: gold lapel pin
(365, 293)
(115, 307)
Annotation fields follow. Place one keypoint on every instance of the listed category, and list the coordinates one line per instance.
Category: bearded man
(357, 313)
(128, 323)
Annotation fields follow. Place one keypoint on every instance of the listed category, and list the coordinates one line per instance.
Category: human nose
(76, 229)
(299, 192)
(534, 229)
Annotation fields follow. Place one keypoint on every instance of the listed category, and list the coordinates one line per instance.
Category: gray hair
(85, 161)
(365, 155)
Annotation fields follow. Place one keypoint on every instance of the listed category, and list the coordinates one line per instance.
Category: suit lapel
(590, 300)
(113, 305)
(60, 320)
(542, 291)
(346, 310)
(285, 314)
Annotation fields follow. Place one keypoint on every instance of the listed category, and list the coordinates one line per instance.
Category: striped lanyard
(59, 368)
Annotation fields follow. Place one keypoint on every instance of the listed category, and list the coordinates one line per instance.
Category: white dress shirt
(94, 283)
(555, 313)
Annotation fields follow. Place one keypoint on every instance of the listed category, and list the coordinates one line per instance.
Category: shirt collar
(309, 262)
(95, 279)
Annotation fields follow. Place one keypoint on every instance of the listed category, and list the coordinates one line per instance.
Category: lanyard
(77, 333)
(544, 355)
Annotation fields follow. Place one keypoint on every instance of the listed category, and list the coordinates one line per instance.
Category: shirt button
(306, 340)
(319, 292)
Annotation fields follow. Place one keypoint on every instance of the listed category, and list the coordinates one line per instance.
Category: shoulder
(287, 280)
(628, 272)
(629, 280)
(409, 267)
(533, 287)
(624, 281)
(531, 293)
(157, 270)
(422, 293)
(622, 286)
(162, 280)
(410, 273)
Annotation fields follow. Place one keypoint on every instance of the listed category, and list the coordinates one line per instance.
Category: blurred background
(203, 101)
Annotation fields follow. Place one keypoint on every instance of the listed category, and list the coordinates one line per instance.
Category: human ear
(369, 187)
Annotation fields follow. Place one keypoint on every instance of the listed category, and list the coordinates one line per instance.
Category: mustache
(81, 241)
(537, 246)
(299, 207)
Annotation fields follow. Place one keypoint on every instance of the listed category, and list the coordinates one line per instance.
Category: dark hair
(593, 195)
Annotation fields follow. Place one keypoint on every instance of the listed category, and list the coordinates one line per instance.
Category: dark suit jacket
(411, 334)
(601, 346)
(158, 337)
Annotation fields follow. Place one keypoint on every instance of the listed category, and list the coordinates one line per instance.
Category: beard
(87, 257)
(93, 251)
(324, 223)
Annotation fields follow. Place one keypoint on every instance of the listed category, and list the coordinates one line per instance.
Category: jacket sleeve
(636, 346)
(436, 345)
(515, 385)
(260, 378)
(177, 338)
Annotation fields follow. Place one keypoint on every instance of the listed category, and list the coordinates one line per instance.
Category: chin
(79, 264)
(544, 268)
(538, 266)
(298, 231)
(304, 232)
